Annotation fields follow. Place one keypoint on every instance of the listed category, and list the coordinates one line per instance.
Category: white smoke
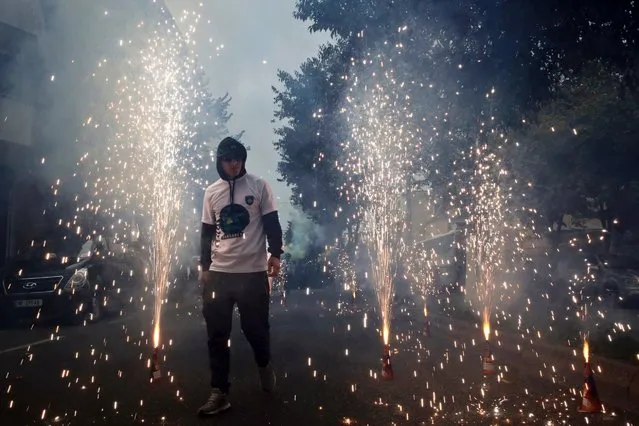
(305, 234)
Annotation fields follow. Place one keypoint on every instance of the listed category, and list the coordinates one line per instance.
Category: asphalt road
(328, 362)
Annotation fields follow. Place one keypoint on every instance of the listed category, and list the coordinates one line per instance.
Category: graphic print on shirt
(234, 219)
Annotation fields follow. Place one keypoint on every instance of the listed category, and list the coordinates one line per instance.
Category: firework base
(155, 372)
(387, 368)
(590, 403)
(488, 362)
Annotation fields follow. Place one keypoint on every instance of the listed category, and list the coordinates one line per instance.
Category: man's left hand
(273, 266)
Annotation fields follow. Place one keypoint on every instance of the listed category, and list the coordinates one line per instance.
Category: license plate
(29, 303)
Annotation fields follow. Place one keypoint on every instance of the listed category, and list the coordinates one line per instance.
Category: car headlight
(77, 280)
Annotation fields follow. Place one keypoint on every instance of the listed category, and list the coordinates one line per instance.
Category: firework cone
(590, 402)
(155, 365)
(488, 361)
(387, 368)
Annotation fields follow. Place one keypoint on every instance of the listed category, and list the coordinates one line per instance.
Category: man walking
(238, 218)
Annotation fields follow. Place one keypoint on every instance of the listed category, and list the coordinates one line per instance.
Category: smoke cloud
(305, 235)
(68, 73)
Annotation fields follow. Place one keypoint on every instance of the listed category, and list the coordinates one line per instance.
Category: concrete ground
(327, 355)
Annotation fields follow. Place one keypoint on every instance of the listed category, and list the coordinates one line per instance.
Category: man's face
(231, 166)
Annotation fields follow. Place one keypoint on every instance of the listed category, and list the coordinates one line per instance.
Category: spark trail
(379, 159)
(161, 116)
(152, 154)
(486, 236)
(484, 197)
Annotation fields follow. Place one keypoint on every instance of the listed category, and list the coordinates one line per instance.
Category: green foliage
(309, 141)
(580, 149)
(566, 67)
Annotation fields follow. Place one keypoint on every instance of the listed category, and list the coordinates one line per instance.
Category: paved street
(327, 359)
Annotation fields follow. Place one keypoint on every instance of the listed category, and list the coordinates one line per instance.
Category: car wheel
(75, 318)
(91, 313)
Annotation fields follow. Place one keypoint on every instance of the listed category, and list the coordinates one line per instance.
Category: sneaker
(217, 403)
(267, 378)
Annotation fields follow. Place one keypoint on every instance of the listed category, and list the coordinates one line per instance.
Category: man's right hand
(202, 276)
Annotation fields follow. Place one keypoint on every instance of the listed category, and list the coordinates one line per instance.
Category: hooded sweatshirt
(238, 217)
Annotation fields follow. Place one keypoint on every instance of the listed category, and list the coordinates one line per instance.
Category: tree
(523, 46)
(580, 148)
(309, 141)
(516, 53)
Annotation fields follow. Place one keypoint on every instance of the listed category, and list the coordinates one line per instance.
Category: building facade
(48, 50)
(21, 26)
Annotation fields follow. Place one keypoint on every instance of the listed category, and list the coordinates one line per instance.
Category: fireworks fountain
(379, 157)
(150, 145)
(486, 237)
(590, 402)
(483, 202)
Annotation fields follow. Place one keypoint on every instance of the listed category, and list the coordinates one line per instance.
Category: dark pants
(221, 291)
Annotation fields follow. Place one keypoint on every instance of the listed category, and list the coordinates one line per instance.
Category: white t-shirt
(240, 243)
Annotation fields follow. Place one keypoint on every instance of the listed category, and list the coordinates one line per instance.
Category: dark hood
(230, 148)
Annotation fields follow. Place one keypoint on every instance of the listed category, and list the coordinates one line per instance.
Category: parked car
(71, 280)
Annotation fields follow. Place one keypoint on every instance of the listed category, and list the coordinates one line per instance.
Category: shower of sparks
(348, 274)
(161, 116)
(150, 164)
(279, 283)
(486, 219)
(379, 159)
(421, 265)
(483, 204)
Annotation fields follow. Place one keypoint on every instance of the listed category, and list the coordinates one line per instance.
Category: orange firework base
(590, 402)
(387, 368)
(488, 362)
(155, 365)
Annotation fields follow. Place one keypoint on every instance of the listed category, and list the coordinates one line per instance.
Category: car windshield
(56, 246)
